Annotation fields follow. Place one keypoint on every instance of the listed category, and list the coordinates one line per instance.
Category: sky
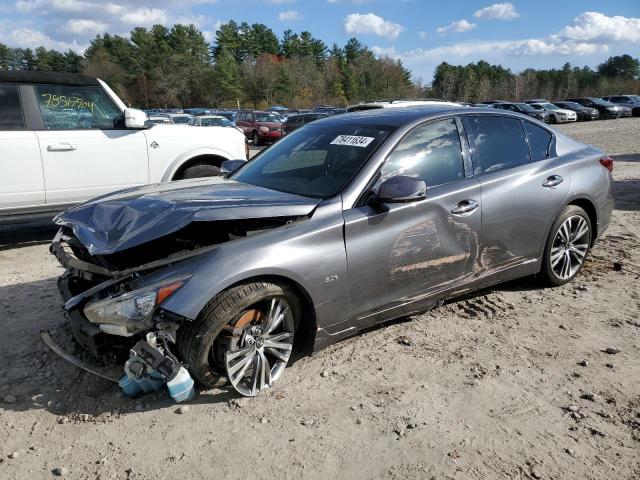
(423, 33)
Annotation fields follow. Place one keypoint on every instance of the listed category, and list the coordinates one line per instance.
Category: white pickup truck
(65, 138)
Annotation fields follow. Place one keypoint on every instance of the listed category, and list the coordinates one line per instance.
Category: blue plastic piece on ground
(130, 386)
(181, 387)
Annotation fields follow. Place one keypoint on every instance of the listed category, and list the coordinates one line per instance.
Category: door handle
(465, 206)
(61, 147)
(553, 181)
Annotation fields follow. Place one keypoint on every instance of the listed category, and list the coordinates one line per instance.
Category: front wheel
(197, 171)
(567, 246)
(244, 336)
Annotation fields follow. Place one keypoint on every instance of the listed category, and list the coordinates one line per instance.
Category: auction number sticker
(352, 140)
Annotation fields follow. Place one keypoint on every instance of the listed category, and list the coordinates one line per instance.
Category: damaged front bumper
(55, 348)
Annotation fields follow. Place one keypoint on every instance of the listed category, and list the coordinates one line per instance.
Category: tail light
(607, 162)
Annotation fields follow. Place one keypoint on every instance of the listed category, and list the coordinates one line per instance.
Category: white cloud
(497, 11)
(81, 26)
(30, 38)
(595, 26)
(289, 15)
(145, 16)
(371, 24)
(457, 26)
(423, 35)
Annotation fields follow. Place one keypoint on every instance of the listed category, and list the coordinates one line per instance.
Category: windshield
(268, 117)
(525, 107)
(550, 106)
(181, 119)
(215, 122)
(314, 161)
(635, 98)
(572, 105)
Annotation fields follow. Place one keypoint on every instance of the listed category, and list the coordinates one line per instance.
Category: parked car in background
(210, 121)
(556, 114)
(260, 126)
(537, 100)
(329, 109)
(348, 222)
(606, 109)
(629, 101)
(400, 104)
(525, 109)
(65, 138)
(159, 118)
(296, 121)
(228, 114)
(583, 113)
(492, 102)
(179, 118)
(198, 111)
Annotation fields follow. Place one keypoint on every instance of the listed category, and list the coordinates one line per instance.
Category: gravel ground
(513, 382)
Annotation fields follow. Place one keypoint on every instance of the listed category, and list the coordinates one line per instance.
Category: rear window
(497, 143)
(539, 141)
(10, 108)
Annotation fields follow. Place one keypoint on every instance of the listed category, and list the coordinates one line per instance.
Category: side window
(241, 117)
(431, 152)
(497, 142)
(70, 107)
(10, 109)
(539, 141)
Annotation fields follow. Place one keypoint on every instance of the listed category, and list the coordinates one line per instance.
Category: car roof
(396, 117)
(49, 78)
(210, 116)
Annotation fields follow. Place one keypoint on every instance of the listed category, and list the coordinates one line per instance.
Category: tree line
(480, 81)
(248, 65)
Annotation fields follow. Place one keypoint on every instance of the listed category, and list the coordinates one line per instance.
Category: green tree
(621, 66)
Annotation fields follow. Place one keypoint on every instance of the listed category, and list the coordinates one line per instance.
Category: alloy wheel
(260, 351)
(570, 247)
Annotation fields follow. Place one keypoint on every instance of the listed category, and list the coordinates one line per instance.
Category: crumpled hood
(134, 216)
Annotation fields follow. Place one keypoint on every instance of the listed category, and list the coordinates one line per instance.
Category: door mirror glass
(134, 118)
(230, 166)
(402, 189)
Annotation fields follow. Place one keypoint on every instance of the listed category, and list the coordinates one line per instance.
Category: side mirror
(134, 118)
(230, 166)
(402, 189)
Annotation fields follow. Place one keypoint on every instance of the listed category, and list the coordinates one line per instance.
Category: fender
(185, 157)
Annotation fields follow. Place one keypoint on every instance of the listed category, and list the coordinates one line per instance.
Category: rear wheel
(256, 139)
(245, 335)
(567, 246)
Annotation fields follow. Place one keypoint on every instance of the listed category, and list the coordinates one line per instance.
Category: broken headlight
(131, 308)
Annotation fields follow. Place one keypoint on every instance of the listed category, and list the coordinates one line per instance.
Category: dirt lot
(484, 387)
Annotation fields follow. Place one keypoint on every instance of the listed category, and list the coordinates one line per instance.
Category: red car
(260, 126)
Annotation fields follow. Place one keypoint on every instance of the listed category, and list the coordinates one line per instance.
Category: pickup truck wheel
(198, 171)
(244, 334)
(256, 139)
